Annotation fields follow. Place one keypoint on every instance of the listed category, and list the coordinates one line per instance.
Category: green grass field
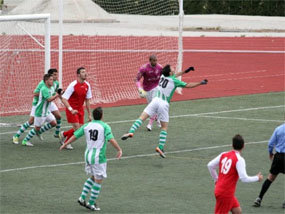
(43, 180)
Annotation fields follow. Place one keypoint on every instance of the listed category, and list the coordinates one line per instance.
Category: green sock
(57, 128)
(135, 126)
(23, 128)
(94, 193)
(30, 135)
(44, 128)
(86, 188)
(162, 139)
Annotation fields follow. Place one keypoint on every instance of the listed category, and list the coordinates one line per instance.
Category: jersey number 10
(226, 165)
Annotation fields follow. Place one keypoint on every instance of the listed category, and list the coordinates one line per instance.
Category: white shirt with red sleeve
(231, 168)
(76, 93)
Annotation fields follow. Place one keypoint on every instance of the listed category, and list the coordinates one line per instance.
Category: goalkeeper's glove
(189, 69)
(60, 91)
(142, 93)
(204, 82)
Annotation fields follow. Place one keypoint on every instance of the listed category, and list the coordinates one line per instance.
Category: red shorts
(225, 204)
(75, 118)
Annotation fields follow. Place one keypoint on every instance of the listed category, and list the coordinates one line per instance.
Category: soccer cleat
(61, 138)
(160, 152)
(39, 136)
(81, 201)
(93, 207)
(26, 143)
(283, 205)
(15, 140)
(148, 127)
(257, 202)
(126, 136)
(56, 135)
(69, 147)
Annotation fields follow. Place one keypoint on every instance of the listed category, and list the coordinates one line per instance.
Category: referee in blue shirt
(276, 141)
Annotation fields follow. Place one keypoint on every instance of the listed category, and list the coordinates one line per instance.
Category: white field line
(200, 115)
(127, 157)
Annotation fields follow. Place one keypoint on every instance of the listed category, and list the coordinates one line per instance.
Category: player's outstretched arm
(117, 147)
(184, 72)
(69, 141)
(195, 84)
(52, 98)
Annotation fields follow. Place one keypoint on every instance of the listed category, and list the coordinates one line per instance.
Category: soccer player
(97, 134)
(150, 73)
(276, 141)
(160, 104)
(42, 112)
(53, 108)
(231, 168)
(78, 92)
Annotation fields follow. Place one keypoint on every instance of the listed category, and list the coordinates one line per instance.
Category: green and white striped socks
(87, 187)
(135, 126)
(57, 128)
(23, 128)
(30, 135)
(94, 193)
(162, 139)
(44, 128)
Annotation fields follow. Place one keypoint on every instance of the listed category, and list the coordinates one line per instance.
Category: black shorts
(278, 163)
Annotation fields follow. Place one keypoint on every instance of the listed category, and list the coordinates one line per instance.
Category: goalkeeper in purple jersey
(151, 73)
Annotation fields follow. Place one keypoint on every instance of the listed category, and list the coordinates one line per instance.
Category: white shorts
(32, 114)
(99, 171)
(39, 121)
(151, 94)
(158, 107)
(53, 107)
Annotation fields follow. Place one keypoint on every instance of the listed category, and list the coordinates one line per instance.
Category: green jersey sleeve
(108, 133)
(80, 132)
(39, 86)
(179, 83)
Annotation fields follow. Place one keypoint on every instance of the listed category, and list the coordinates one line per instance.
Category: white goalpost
(24, 56)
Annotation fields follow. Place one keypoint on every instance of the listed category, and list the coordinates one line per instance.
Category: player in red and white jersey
(231, 168)
(78, 92)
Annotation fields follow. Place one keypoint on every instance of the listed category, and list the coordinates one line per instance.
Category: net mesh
(22, 63)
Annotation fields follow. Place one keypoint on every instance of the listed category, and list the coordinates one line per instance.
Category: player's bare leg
(236, 210)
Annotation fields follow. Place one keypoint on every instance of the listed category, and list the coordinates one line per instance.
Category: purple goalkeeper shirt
(150, 74)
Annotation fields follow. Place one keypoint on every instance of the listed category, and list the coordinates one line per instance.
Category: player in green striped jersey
(53, 108)
(160, 104)
(42, 110)
(97, 134)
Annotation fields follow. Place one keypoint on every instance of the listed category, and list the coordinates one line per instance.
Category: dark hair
(46, 77)
(52, 70)
(166, 70)
(152, 57)
(98, 113)
(79, 70)
(238, 142)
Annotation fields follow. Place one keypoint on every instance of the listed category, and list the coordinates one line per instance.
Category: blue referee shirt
(277, 140)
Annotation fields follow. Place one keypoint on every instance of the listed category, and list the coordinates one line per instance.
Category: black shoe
(160, 152)
(283, 205)
(257, 202)
(126, 136)
(81, 202)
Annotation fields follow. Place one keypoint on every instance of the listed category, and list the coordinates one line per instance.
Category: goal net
(114, 45)
(24, 58)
